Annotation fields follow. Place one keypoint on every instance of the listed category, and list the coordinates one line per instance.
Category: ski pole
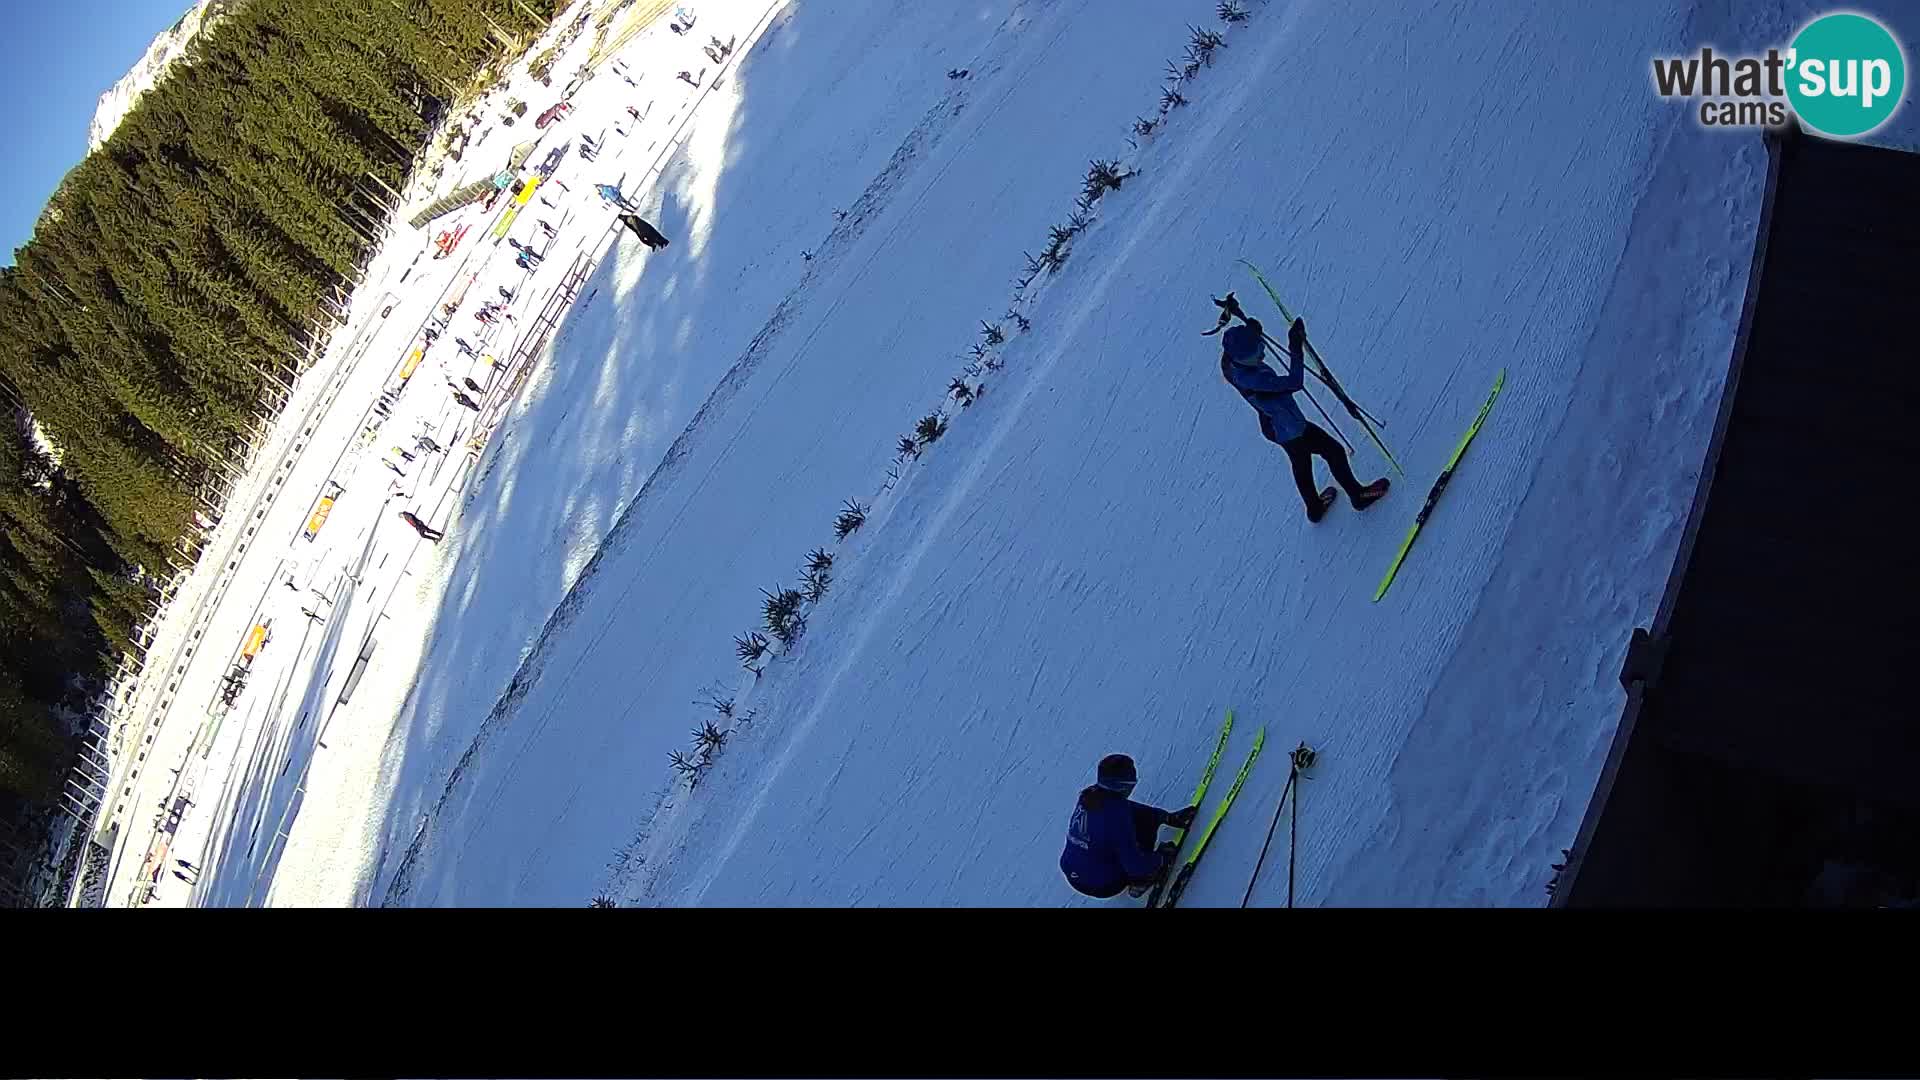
(1318, 369)
(1275, 823)
(1302, 759)
(1361, 411)
(1325, 375)
(1229, 310)
(1357, 412)
(1293, 841)
(1323, 415)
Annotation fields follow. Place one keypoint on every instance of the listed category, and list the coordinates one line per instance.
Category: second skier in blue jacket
(1243, 351)
(1110, 843)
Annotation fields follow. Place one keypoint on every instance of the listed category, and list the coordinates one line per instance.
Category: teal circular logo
(1846, 75)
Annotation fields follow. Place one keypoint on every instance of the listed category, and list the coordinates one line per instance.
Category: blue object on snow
(1104, 852)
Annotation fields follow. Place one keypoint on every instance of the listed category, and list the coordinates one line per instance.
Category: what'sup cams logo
(1844, 75)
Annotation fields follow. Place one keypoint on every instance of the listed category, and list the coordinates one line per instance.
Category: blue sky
(56, 59)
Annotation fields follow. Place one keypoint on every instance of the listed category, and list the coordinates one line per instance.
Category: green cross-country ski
(1439, 486)
(1185, 873)
(1360, 415)
(1199, 793)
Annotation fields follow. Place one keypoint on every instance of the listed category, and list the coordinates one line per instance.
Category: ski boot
(1322, 504)
(1166, 851)
(1370, 494)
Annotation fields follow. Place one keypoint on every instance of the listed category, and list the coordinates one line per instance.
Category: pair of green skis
(1367, 423)
(1174, 884)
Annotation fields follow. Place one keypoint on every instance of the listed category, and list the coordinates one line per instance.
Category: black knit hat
(1117, 773)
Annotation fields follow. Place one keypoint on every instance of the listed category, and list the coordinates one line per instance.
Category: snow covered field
(1101, 554)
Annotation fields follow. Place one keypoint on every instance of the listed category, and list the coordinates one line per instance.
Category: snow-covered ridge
(170, 46)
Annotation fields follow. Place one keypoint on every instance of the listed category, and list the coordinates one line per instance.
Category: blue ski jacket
(1104, 853)
(1243, 364)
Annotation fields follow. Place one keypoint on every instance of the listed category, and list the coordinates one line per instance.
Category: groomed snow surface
(1101, 554)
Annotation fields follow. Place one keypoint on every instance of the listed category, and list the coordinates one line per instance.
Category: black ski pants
(1300, 452)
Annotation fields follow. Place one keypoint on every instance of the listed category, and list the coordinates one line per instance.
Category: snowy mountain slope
(167, 48)
(1102, 554)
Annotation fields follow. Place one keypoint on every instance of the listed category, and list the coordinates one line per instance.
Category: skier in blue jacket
(1243, 351)
(1110, 844)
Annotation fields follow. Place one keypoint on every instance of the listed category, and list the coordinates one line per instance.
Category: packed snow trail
(1102, 554)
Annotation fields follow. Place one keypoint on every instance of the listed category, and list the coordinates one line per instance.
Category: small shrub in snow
(1231, 11)
(1201, 45)
(746, 718)
(602, 901)
(684, 765)
(994, 363)
(851, 518)
(1170, 99)
(1025, 324)
(1102, 177)
(907, 447)
(708, 739)
(1079, 222)
(780, 604)
(839, 215)
(959, 391)
(716, 701)
(992, 334)
(930, 428)
(1033, 270)
(819, 559)
(814, 585)
(751, 648)
(978, 352)
(1144, 126)
(782, 612)
(1055, 255)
